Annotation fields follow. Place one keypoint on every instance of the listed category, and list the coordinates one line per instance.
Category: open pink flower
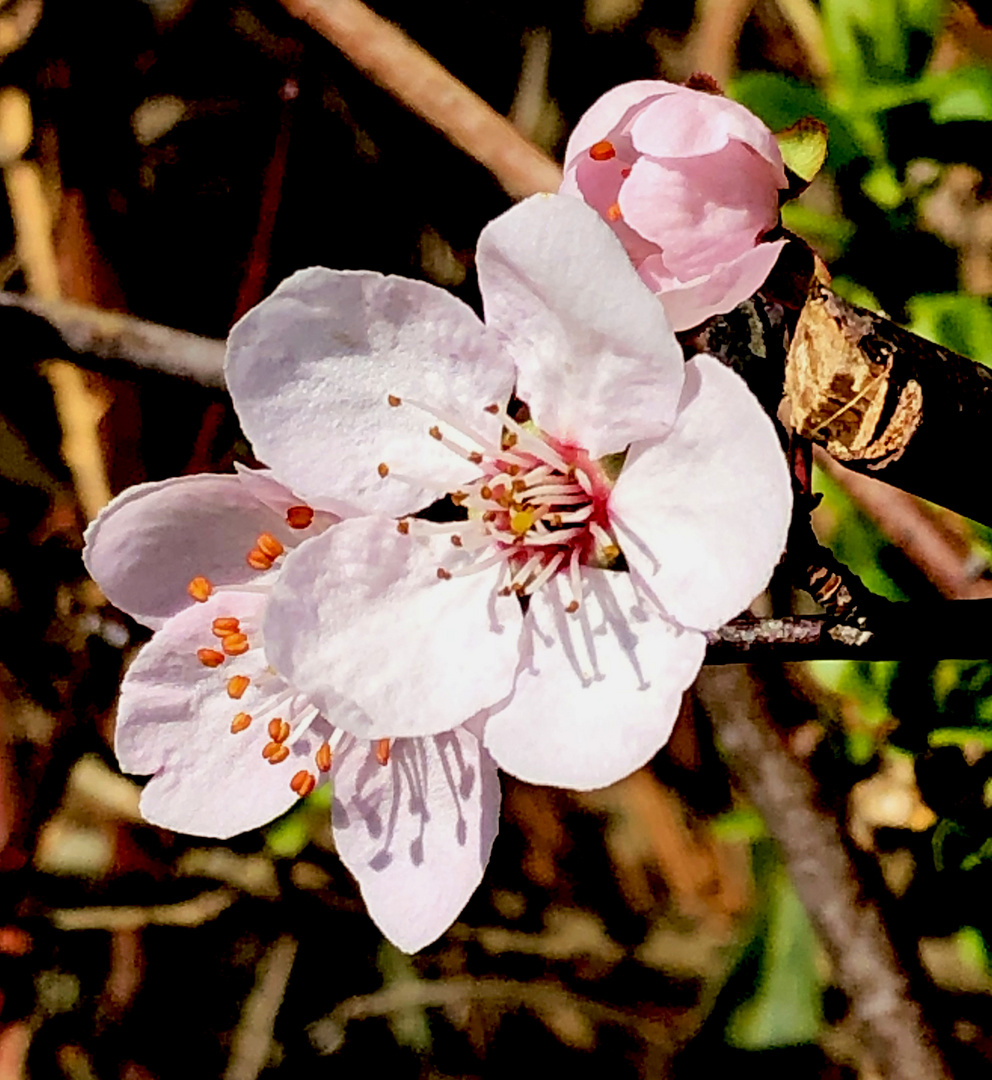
(559, 603)
(689, 181)
(231, 744)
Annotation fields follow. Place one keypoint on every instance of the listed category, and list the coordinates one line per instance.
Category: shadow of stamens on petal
(381, 860)
(619, 626)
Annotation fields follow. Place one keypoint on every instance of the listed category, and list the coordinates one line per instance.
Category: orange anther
(267, 544)
(275, 752)
(299, 517)
(324, 757)
(383, 470)
(613, 212)
(235, 644)
(225, 626)
(492, 409)
(403, 527)
(258, 560)
(602, 151)
(14, 941)
(475, 457)
(394, 400)
(240, 722)
(572, 607)
(456, 540)
(443, 574)
(200, 589)
(303, 783)
(210, 657)
(435, 433)
(278, 729)
(382, 751)
(237, 685)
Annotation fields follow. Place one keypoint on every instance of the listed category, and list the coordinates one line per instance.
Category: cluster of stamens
(537, 509)
(234, 641)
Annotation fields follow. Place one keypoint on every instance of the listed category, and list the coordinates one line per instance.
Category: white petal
(597, 361)
(174, 720)
(703, 513)
(417, 832)
(152, 540)
(600, 692)
(360, 622)
(311, 369)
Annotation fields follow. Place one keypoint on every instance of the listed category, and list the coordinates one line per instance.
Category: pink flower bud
(689, 182)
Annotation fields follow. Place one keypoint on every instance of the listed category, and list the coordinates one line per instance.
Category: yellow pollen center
(521, 521)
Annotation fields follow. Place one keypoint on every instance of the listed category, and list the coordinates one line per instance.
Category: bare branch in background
(865, 964)
(91, 333)
(399, 65)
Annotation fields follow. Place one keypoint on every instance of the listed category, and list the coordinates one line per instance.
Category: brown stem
(402, 67)
(865, 964)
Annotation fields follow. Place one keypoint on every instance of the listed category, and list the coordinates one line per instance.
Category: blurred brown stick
(90, 332)
(251, 1045)
(399, 65)
(865, 964)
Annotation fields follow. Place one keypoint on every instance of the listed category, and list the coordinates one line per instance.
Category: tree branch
(399, 65)
(95, 334)
(938, 630)
(884, 401)
(865, 966)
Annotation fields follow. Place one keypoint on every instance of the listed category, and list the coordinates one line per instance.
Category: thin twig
(252, 1042)
(865, 964)
(328, 1033)
(92, 333)
(399, 65)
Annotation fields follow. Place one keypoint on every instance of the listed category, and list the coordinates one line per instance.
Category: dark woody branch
(940, 630)
(885, 402)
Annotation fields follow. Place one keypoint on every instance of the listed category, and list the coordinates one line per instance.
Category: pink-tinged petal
(599, 693)
(691, 123)
(598, 183)
(610, 111)
(703, 513)
(597, 362)
(174, 720)
(152, 540)
(701, 212)
(417, 832)
(360, 619)
(311, 370)
(691, 302)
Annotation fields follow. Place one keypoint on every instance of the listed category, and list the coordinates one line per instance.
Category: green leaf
(882, 186)
(804, 147)
(962, 94)
(786, 1009)
(783, 102)
(828, 233)
(880, 40)
(956, 320)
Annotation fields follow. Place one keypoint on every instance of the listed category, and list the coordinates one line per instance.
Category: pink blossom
(230, 744)
(559, 604)
(689, 181)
